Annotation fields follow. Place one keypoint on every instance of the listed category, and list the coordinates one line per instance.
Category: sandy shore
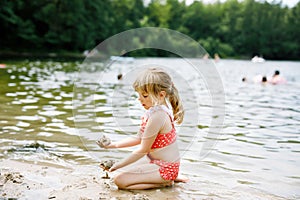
(23, 180)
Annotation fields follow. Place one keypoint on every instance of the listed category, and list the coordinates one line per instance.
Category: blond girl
(156, 137)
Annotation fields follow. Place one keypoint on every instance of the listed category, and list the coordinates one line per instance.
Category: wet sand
(22, 180)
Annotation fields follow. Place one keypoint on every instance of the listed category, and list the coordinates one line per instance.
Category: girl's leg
(181, 178)
(141, 177)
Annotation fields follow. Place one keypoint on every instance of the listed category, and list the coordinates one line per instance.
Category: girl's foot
(181, 178)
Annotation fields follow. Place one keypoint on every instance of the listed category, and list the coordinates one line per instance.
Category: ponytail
(176, 104)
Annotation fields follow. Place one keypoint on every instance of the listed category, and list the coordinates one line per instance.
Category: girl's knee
(120, 181)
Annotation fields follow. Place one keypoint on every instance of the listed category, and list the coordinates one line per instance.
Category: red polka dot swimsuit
(167, 170)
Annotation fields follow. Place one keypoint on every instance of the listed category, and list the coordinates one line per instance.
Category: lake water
(44, 118)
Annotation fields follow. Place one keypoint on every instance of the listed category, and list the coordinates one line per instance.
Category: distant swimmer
(264, 79)
(260, 79)
(217, 57)
(277, 79)
(206, 56)
(120, 76)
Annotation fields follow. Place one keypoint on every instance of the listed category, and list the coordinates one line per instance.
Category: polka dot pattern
(167, 170)
(165, 139)
(162, 139)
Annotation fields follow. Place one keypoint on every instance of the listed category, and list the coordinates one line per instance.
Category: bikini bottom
(167, 170)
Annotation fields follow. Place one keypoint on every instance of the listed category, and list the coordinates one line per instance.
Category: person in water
(156, 137)
(277, 79)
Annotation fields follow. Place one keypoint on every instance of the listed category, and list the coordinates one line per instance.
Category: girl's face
(145, 100)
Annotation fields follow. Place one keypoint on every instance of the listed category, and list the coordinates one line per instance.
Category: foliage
(231, 29)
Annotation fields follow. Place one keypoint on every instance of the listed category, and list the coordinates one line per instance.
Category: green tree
(214, 45)
(158, 14)
(74, 25)
(292, 44)
(232, 28)
(17, 26)
(177, 10)
(126, 14)
(202, 20)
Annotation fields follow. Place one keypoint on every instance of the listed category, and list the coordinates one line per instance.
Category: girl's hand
(114, 167)
(100, 144)
(107, 164)
(104, 142)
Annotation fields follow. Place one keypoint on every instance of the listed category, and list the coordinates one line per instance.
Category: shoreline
(80, 56)
(23, 180)
(70, 56)
(40, 181)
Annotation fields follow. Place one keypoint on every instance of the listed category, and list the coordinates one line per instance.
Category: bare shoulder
(158, 115)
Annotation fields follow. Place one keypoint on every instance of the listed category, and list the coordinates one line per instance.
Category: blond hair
(155, 80)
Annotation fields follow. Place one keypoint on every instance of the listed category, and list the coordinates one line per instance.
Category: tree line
(231, 29)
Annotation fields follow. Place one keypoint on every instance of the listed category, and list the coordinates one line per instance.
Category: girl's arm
(153, 127)
(127, 142)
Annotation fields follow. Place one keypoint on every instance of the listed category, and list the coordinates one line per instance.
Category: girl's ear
(162, 94)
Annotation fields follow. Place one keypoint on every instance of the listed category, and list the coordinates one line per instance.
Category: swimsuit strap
(162, 139)
(158, 108)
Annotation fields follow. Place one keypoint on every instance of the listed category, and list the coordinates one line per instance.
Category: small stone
(104, 141)
(107, 164)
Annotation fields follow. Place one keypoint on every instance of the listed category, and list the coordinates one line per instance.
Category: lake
(256, 150)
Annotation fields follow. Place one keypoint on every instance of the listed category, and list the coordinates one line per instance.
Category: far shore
(12, 55)
(69, 56)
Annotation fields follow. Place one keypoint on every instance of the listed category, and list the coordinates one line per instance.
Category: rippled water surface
(258, 146)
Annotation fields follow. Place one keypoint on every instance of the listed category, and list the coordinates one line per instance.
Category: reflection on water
(259, 145)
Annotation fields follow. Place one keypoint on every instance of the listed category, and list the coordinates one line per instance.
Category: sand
(24, 180)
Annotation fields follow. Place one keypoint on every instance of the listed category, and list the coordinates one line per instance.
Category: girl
(157, 135)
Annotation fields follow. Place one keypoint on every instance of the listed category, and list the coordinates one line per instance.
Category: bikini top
(162, 139)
